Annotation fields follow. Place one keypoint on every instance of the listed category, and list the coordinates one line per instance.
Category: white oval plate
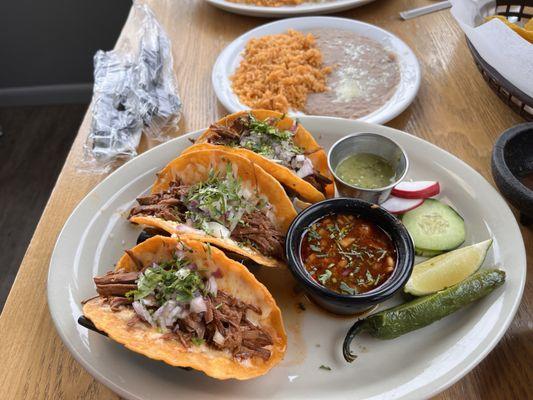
(230, 58)
(416, 365)
(288, 11)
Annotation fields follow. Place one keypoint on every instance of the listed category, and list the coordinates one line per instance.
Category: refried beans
(365, 75)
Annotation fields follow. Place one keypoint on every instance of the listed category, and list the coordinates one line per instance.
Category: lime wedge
(447, 269)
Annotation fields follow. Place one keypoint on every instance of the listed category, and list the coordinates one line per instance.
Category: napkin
(505, 50)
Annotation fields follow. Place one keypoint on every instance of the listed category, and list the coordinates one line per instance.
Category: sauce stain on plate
(281, 284)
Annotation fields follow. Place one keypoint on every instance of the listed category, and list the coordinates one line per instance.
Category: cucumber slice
(427, 253)
(435, 226)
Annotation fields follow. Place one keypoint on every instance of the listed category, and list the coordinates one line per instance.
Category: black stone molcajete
(512, 160)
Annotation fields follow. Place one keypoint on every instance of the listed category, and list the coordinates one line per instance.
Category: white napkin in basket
(498, 45)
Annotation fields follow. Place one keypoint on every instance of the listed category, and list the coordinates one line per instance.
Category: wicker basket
(520, 102)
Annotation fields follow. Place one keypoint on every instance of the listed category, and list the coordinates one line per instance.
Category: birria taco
(187, 304)
(279, 145)
(220, 198)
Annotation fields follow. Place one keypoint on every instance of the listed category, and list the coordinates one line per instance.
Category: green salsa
(366, 170)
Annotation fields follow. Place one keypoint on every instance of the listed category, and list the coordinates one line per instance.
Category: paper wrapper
(502, 48)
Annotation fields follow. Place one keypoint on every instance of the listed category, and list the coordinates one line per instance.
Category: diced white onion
(252, 317)
(157, 313)
(169, 313)
(218, 338)
(176, 313)
(182, 273)
(198, 305)
(300, 158)
(161, 314)
(235, 219)
(299, 204)
(212, 286)
(143, 312)
(182, 315)
(246, 192)
(182, 228)
(307, 168)
(218, 230)
(149, 300)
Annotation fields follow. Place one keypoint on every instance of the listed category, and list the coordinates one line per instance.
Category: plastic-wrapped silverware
(134, 92)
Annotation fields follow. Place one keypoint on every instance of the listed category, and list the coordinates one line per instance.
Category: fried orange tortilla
(234, 279)
(194, 167)
(287, 177)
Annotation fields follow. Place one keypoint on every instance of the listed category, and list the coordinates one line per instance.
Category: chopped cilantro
(325, 367)
(313, 234)
(197, 341)
(323, 278)
(168, 281)
(369, 277)
(219, 199)
(314, 247)
(265, 138)
(347, 289)
(383, 252)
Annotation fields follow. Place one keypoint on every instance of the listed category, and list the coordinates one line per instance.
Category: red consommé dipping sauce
(347, 254)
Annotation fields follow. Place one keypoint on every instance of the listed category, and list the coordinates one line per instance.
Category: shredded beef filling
(255, 229)
(230, 136)
(116, 284)
(224, 325)
(224, 135)
(227, 135)
(318, 181)
(166, 205)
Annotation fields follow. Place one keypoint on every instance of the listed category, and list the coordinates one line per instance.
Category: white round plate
(230, 58)
(416, 365)
(321, 7)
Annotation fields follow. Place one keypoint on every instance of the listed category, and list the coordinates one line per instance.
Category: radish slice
(416, 190)
(397, 205)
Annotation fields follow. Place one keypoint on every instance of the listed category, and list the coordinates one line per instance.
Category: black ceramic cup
(512, 160)
(350, 304)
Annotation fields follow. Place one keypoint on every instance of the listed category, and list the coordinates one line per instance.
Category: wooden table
(455, 109)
